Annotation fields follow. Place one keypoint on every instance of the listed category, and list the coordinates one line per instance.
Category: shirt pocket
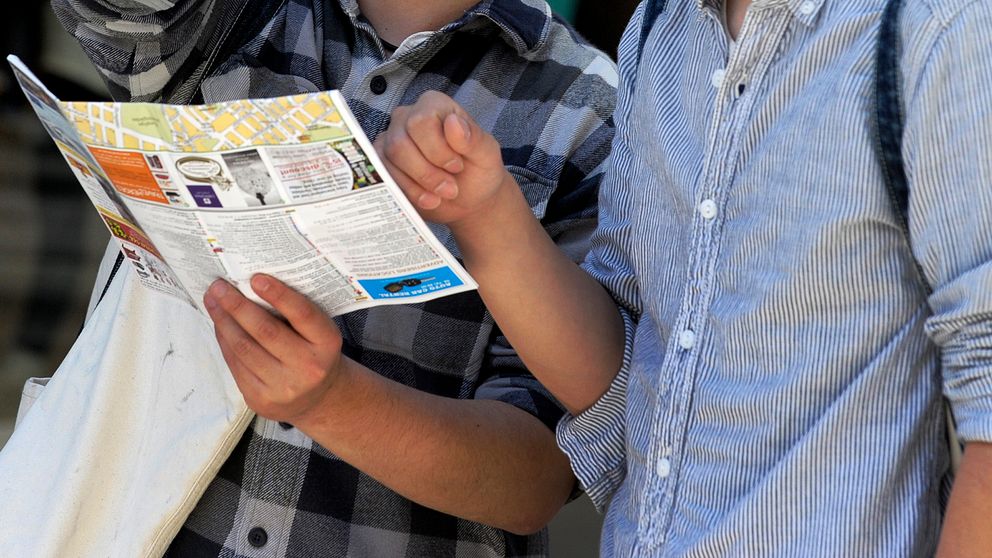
(537, 190)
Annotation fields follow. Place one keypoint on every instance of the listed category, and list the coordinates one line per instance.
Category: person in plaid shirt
(404, 430)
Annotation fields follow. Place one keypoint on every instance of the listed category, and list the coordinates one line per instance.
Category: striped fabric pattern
(546, 96)
(782, 391)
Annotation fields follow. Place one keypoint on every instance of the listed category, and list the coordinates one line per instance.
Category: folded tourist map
(288, 186)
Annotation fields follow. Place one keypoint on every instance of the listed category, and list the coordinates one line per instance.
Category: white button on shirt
(687, 339)
(807, 8)
(707, 209)
(717, 78)
(664, 467)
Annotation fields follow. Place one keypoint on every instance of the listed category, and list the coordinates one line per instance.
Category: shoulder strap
(652, 9)
(887, 122)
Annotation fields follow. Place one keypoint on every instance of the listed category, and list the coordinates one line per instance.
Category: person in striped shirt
(773, 383)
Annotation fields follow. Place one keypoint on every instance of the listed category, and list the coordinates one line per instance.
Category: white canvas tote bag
(116, 450)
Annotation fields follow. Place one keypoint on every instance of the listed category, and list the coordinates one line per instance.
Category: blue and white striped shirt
(783, 380)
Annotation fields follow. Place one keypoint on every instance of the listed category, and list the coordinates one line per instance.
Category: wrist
(333, 408)
(505, 210)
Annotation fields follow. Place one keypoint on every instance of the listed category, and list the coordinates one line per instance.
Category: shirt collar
(803, 10)
(524, 24)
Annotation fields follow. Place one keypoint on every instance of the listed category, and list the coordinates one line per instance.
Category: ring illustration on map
(203, 169)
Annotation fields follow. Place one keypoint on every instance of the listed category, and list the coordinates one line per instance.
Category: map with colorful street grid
(218, 127)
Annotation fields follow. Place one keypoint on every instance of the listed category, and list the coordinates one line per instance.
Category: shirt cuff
(595, 440)
(968, 381)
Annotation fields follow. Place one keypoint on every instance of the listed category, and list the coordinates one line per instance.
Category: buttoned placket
(729, 85)
(385, 85)
(259, 531)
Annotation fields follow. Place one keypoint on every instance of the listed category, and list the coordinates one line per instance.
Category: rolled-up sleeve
(948, 148)
(507, 380)
(595, 440)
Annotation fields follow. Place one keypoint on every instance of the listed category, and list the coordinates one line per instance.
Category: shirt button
(257, 537)
(707, 209)
(807, 8)
(687, 339)
(378, 85)
(717, 78)
(664, 467)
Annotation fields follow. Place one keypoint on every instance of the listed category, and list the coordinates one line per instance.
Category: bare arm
(559, 319)
(561, 322)
(967, 531)
(485, 461)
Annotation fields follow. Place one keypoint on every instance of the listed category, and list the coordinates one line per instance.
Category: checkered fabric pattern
(527, 78)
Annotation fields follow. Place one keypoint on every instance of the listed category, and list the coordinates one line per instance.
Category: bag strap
(110, 278)
(248, 23)
(652, 9)
(887, 123)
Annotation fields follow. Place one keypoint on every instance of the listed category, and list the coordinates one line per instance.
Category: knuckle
(263, 408)
(234, 302)
(267, 330)
(419, 122)
(429, 176)
(433, 97)
(492, 146)
(305, 312)
(242, 345)
(313, 372)
(277, 294)
(388, 147)
(313, 313)
(284, 396)
(395, 145)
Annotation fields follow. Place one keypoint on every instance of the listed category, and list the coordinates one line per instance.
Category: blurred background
(51, 239)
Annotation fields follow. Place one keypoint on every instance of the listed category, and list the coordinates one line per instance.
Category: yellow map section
(206, 128)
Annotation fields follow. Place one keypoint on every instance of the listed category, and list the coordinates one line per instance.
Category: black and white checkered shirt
(525, 76)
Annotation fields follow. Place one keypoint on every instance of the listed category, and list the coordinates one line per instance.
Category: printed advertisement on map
(288, 186)
(149, 267)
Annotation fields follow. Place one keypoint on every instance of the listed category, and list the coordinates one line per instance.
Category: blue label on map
(405, 286)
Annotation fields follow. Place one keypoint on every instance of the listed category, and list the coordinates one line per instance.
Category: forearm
(967, 528)
(484, 461)
(561, 322)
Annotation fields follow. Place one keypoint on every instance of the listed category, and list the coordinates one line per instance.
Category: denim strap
(652, 9)
(888, 121)
(888, 128)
